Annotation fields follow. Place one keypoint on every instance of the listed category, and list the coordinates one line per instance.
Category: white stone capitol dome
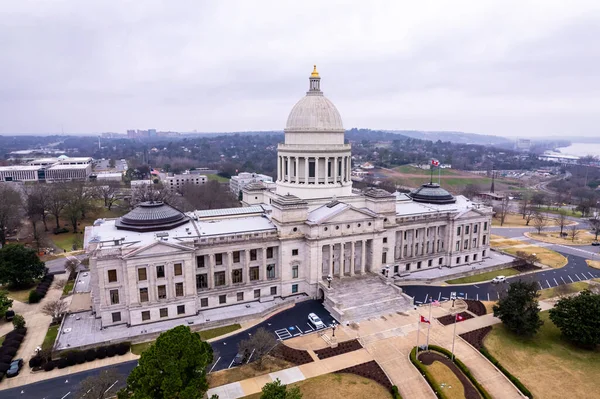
(314, 112)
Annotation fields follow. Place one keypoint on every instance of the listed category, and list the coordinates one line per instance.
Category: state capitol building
(157, 263)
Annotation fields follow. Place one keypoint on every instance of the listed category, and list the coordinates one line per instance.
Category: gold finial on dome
(314, 73)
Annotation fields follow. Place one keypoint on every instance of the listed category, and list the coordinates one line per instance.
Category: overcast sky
(506, 68)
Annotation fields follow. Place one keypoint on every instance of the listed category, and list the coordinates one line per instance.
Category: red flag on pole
(459, 317)
(435, 162)
(424, 320)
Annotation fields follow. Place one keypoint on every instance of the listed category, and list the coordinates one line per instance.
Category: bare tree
(10, 210)
(71, 265)
(101, 386)
(258, 345)
(109, 192)
(502, 210)
(528, 214)
(573, 232)
(152, 193)
(57, 201)
(212, 195)
(527, 257)
(525, 205)
(540, 222)
(36, 203)
(471, 191)
(56, 309)
(595, 225)
(79, 202)
(562, 221)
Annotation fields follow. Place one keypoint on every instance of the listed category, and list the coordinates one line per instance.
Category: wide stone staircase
(358, 298)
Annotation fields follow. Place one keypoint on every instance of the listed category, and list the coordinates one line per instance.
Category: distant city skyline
(511, 69)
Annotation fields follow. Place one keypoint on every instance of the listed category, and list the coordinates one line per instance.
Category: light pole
(333, 328)
(329, 278)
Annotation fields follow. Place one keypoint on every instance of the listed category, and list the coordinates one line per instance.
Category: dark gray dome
(151, 216)
(432, 193)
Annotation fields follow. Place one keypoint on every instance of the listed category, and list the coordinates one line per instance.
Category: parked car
(596, 243)
(315, 321)
(498, 279)
(14, 368)
(240, 358)
(9, 315)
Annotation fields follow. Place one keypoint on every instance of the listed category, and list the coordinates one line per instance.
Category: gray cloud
(504, 68)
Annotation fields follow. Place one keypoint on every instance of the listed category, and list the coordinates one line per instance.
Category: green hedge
(396, 393)
(507, 373)
(464, 369)
(428, 377)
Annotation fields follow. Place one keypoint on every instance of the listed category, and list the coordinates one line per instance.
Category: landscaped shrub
(21, 331)
(79, 357)
(4, 367)
(425, 373)
(34, 297)
(70, 357)
(101, 352)
(123, 348)
(1, 375)
(507, 373)
(35, 361)
(5, 359)
(111, 350)
(51, 364)
(10, 351)
(396, 393)
(61, 363)
(12, 344)
(90, 355)
(60, 230)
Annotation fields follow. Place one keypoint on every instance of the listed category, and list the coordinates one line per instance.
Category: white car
(499, 279)
(315, 321)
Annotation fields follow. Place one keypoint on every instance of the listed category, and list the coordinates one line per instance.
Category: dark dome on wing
(151, 216)
(432, 193)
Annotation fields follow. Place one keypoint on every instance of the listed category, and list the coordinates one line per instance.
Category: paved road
(57, 266)
(575, 270)
(283, 325)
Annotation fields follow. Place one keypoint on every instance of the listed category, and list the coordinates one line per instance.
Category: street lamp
(333, 328)
(329, 278)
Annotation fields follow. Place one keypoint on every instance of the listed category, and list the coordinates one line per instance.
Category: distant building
(131, 134)
(109, 176)
(523, 145)
(151, 132)
(50, 169)
(237, 183)
(367, 165)
(175, 182)
(558, 157)
(139, 183)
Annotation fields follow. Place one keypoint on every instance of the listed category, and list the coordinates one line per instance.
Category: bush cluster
(60, 230)
(396, 393)
(9, 348)
(425, 373)
(507, 373)
(73, 357)
(40, 291)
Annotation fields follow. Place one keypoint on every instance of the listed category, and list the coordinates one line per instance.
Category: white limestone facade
(157, 263)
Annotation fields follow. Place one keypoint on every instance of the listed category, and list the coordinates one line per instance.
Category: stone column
(335, 169)
(297, 177)
(289, 169)
(228, 280)
(306, 163)
(263, 273)
(317, 170)
(342, 260)
(278, 168)
(363, 256)
(246, 271)
(352, 259)
(211, 271)
(330, 259)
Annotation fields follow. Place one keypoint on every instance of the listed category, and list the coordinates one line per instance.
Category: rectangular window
(429, 262)
(440, 261)
(405, 250)
(178, 289)
(112, 275)
(204, 302)
(236, 276)
(384, 257)
(405, 235)
(240, 296)
(256, 294)
(407, 266)
(177, 269)
(475, 228)
(270, 271)
(114, 297)
(253, 254)
(416, 233)
(142, 276)
(143, 294)
(269, 252)
(295, 271)
(116, 317)
(467, 258)
(385, 240)
(294, 252)
(145, 315)
(311, 169)
(218, 259)
(328, 169)
(254, 273)
(458, 245)
(466, 246)
(273, 290)
(200, 260)
(483, 240)
(160, 272)
(458, 231)
(467, 229)
(458, 259)
(162, 292)
(181, 309)
(219, 279)
(236, 256)
(164, 312)
(483, 253)
(419, 265)
(222, 299)
(474, 242)
(294, 288)
(474, 257)
(201, 281)
(484, 226)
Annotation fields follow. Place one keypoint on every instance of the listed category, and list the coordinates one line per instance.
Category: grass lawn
(593, 263)
(452, 388)
(507, 242)
(218, 178)
(270, 365)
(489, 306)
(555, 211)
(68, 287)
(21, 295)
(338, 386)
(137, 349)
(516, 220)
(65, 240)
(565, 289)
(548, 365)
(484, 276)
(50, 337)
(583, 238)
(546, 256)
(412, 170)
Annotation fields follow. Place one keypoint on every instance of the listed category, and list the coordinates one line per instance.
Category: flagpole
(429, 327)
(454, 337)
(418, 333)
(439, 176)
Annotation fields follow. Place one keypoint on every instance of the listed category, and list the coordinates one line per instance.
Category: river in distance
(581, 149)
